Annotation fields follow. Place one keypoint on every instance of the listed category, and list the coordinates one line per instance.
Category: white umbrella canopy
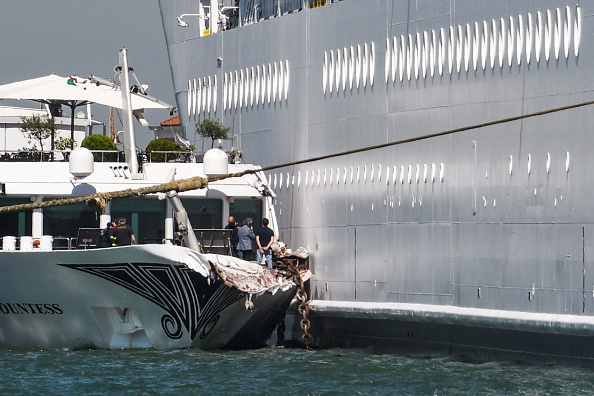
(75, 91)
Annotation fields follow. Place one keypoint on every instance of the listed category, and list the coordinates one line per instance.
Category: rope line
(100, 199)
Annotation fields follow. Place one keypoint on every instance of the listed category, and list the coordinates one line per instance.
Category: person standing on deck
(245, 234)
(232, 225)
(264, 240)
(122, 234)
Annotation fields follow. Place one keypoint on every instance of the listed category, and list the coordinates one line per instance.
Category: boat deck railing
(211, 240)
(99, 155)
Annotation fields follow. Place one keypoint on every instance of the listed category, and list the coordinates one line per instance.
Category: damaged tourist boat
(179, 287)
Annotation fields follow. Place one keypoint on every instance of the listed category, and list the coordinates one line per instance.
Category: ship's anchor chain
(303, 305)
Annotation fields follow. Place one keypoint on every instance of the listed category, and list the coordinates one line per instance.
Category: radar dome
(215, 162)
(81, 162)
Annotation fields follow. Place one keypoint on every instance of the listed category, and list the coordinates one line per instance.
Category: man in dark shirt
(104, 240)
(265, 239)
(122, 234)
(232, 225)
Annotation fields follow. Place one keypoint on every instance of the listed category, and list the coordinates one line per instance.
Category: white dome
(81, 162)
(215, 162)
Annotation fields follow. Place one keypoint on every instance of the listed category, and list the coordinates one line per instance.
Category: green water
(274, 371)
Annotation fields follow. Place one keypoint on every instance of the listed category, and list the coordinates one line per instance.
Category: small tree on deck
(212, 129)
(38, 128)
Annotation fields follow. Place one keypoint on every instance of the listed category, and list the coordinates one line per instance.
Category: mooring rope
(100, 199)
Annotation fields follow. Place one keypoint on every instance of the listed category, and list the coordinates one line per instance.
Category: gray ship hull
(495, 219)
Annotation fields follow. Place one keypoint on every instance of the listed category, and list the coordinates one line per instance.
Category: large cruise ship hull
(474, 241)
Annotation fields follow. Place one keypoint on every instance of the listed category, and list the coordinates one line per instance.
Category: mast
(129, 137)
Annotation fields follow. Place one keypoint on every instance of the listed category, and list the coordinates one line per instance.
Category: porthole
(424, 54)
(358, 67)
(274, 82)
(372, 64)
(214, 94)
(502, 39)
(365, 65)
(338, 70)
(417, 55)
(263, 83)
(352, 67)
(401, 58)
(409, 56)
(484, 45)
(451, 50)
(225, 91)
(538, 37)
(345, 67)
(241, 87)
(567, 31)
(281, 80)
(493, 43)
(440, 51)
(520, 39)
(459, 53)
(475, 46)
(396, 59)
(432, 53)
(331, 73)
(269, 83)
(577, 30)
(189, 98)
(204, 94)
(286, 84)
(557, 33)
(387, 60)
(548, 35)
(511, 36)
(529, 37)
(257, 86)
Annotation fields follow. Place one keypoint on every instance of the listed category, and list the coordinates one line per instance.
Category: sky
(83, 37)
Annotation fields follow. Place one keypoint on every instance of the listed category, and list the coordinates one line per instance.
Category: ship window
(459, 53)
(557, 41)
(146, 216)
(538, 37)
(529, 37)
(501, 41)
(389, 55)
(511, 35)
(567, 31)
(493, 43)
(400, 59)
(244, 208)
(467, 38)
(451, 50)
(15, 223)
(64, 221)
(475, 45)
(547, 35)
(424, 54)
(484, 42)
(432, 52)
(577, 30)
(204, 213)
(520, 39)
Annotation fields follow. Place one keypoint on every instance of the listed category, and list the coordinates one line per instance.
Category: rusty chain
(303, 305)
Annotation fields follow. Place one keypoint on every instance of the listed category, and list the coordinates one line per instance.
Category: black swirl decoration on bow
(189, 300)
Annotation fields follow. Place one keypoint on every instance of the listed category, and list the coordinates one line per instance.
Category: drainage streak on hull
(479, 242)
